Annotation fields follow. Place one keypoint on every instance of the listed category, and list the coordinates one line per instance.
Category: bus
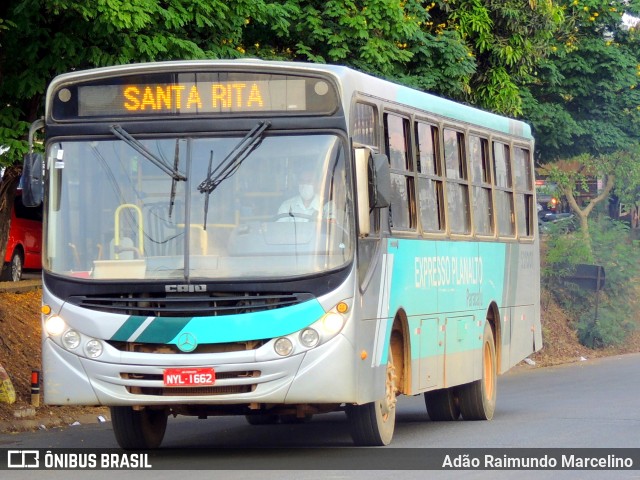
(181, 278)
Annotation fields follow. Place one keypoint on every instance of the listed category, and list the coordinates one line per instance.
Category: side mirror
(32, 181)
(382, 181)
(373, 184)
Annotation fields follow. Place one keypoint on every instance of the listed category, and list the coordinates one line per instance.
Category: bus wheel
(442, 405)
(478, 399)
(372, 424)
(262, 419)
(138, 429)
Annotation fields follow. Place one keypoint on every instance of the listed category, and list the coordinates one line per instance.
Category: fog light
(283, 347)
(71, 339)
(309, 337)
(54, 325)
(93, 348)
(332, 323)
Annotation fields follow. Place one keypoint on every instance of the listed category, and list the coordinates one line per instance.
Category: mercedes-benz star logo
(187, 342)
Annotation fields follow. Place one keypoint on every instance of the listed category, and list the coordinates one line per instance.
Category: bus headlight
(93, 348)
(309, 337)
(71, 339)
(54, 325)
(332, 323)
(283, 347)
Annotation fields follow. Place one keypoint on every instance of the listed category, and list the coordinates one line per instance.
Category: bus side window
(402, 209)
(504, 189)
(524, 191)
(483, 218)
(430, 181)
(458, 211)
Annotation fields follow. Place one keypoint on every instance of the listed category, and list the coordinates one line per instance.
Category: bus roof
(350, 81)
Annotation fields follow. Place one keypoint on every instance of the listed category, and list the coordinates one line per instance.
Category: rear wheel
(478, 399)
(442, 405)
(138, 429)
(372, 424)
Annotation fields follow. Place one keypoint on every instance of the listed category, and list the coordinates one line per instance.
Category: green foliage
(508, 40)
(620, 256)
(471, 50)
(377, 36)
(584, 98)
(43, 38)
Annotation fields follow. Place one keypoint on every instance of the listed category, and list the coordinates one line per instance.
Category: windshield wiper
(174, 180)
(123, 135)
(208, 194)
(232, 162)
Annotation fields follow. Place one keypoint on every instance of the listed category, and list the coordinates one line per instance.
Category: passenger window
(458, 211)
(481, 185)
(430, 181)
(402, 209)
(504, 190)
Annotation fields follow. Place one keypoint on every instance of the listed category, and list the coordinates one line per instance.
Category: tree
(43, 38)
(571, 177)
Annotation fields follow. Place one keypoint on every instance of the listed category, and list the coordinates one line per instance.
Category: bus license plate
(189, 377)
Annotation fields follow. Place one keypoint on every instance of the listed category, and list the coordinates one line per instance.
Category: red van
(24, 247)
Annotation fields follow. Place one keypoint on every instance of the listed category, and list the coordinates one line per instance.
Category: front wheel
(478, 399)
(138, 429)
(372, 424)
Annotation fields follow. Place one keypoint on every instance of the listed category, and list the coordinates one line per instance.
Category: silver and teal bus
(279, 240)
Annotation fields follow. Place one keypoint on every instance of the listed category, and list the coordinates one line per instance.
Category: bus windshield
(141, 208)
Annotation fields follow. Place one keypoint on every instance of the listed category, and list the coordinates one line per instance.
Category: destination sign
(194, 94)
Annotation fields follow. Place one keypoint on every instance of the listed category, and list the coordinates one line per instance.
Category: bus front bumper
(325, 374)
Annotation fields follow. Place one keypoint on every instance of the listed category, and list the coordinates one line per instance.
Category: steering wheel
(310, 218)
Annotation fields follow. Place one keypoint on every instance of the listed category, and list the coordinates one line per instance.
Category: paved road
(591, 404)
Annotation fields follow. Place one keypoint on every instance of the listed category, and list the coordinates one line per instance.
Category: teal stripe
(224, 328)
(128, 327)
(253, 326)
(162, 329)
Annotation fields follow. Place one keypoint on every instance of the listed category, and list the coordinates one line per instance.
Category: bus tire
(478, 399)
(442, 405)
(138, 429)
(372, 424)
(262, 419)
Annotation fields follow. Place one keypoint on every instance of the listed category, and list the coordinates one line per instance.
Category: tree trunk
(583, 213)
(8, 185)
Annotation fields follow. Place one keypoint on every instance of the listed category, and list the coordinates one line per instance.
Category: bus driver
(304, 206)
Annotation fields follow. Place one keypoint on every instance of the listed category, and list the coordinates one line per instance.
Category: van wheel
(16, 266)
(12, 271)
(138, 429)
